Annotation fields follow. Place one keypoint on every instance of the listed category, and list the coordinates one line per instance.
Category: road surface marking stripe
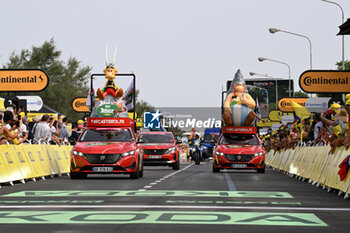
(174, 207)
(165, 177)
(230, 183)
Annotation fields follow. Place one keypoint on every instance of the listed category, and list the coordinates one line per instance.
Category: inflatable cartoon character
(110, 88)
(239, 105)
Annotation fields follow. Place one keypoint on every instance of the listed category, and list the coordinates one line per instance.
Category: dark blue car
(209, 142)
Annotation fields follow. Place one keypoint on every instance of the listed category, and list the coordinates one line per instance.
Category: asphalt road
(192, 199)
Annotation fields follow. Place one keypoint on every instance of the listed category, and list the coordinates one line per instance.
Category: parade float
(108, 144)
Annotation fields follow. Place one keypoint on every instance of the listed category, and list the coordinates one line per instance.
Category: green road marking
(53, 202)
(160, 217)
(234, 202)
(151, 193)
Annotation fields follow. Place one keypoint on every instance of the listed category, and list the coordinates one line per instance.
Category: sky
(182, 51)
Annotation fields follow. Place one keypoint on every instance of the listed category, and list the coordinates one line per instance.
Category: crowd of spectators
(16, 128)
(325, 128)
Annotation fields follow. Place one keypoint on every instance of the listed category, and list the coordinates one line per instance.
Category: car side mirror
(140, 140)
(178, 141)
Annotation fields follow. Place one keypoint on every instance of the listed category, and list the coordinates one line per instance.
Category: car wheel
(135, 175)
(216, 169)
(141, 172)
(77, 175)
(176, 165)
(260, 170)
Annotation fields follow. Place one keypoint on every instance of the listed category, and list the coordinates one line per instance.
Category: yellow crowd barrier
(21, 162)
(312, 163)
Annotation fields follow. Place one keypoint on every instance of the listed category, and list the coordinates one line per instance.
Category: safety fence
(23, 162)
(312, 163)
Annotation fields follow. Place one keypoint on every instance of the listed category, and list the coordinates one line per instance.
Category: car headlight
(219, 153)
(78, 153)
(170, 150)
(128, 153)
(259, 154)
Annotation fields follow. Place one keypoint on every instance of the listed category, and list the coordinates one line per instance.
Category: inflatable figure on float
(239, 105)
(110, 103)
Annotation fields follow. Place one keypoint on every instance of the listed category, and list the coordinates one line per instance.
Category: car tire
(176, 165)
(215, 170)
(77, 175)
(135, 175)
(141, 172)
(260, 170)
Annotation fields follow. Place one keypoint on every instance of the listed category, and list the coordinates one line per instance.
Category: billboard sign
(34, 103)
(317, 104)
(285, 106)
(23, 80)
(325, 81)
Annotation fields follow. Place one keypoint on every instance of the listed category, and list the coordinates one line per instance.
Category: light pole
(342, 37)
(253, 73)
(261, 59)
(274, 30)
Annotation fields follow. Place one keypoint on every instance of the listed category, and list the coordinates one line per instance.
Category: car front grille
(103, 158)
(155, 151)
(239, 158)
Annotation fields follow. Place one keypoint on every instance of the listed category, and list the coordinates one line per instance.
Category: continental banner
(285, 106)
(23, 80)
(325, 81)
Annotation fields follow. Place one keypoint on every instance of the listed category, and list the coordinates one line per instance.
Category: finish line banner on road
(160, 217)
(150, 193)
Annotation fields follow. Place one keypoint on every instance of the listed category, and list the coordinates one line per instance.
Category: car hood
(239, 149)
(157, 145)
(104, 147)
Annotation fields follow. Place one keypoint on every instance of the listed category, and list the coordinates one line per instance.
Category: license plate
(102, 169)
(154, 156)
(239, 165)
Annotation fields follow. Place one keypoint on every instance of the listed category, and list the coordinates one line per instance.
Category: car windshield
(208, 137)
(157, 138)
(115, 135)
(239, 139)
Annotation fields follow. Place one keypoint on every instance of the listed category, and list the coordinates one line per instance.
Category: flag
(300, 112)
(129, 96)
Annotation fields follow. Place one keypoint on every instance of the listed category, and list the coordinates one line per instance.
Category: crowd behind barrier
(325, 128)
(16, 128)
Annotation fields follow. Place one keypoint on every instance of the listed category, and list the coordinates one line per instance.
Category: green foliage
(300, 94)
(340, 65)
(67, 80)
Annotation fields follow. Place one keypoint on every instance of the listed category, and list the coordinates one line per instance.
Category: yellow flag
(300, 111)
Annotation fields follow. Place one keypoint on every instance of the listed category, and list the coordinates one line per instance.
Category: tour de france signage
(325, 81)
(18, 80)
(285, 106)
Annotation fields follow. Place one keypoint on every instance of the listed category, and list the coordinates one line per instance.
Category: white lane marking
(173, 207)
(142, 190)
(164, 178)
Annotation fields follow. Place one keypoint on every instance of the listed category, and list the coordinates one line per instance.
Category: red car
(239, 148)
(160, 149)
(107, 146)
